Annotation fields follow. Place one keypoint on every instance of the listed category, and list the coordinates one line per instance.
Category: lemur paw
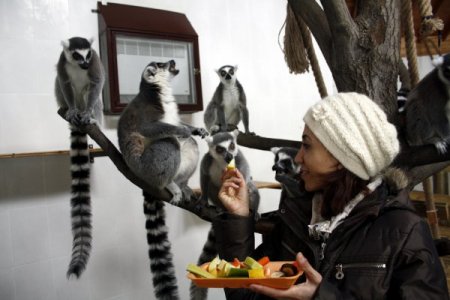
(250, 133)
(200, 132)
(441, 147)
(85, 118)
(73, 116)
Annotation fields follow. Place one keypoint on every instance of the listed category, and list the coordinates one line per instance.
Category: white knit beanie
(355, 131)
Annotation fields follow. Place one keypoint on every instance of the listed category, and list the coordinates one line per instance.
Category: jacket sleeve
(235, 238)
(419, 273)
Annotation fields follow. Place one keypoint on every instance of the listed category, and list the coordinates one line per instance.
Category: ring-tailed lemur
(428, 109)
(222, 149)
(287, 171)
(228, 105)
(160, 150)
(78, 84)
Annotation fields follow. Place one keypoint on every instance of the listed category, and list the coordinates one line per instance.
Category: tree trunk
(363, 54)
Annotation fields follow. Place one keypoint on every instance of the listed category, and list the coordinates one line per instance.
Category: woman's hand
(233, 193)
(302, 291)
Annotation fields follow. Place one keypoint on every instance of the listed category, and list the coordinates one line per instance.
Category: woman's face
(316, 162)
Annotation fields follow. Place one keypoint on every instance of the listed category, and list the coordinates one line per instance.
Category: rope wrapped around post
(298, 49)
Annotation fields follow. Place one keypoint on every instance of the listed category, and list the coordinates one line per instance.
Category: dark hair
(343, 186)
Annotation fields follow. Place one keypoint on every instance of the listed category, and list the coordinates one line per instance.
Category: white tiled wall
(35, 237)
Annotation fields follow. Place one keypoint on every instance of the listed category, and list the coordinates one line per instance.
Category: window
(131, 37)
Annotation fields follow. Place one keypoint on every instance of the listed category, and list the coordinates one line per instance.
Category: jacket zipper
(340, 267)
(322, 250)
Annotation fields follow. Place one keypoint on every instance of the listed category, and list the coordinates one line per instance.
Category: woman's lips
(303, 173)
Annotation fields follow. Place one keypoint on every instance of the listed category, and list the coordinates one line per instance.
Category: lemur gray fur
(160, 150)
(79, 82)
(222, 149)
(228, 105)
(428, 109)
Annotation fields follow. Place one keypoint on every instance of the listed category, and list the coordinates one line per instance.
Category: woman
(352, 231)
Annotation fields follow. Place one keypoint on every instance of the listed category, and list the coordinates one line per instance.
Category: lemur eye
(232, 146)
(220, 149)
(231, 72)
(223, 73)
(77, 56)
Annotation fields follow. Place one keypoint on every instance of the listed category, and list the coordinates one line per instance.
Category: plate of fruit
(219, 273)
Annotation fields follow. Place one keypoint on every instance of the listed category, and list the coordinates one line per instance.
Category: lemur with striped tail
(228, 105)
(222, 150)
(161, 151)
(79, 82)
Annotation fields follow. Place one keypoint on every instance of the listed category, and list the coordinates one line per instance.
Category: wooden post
(431, 208)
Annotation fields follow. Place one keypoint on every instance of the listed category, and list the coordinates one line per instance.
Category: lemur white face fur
(157, 72)
(223, 147)
(78, 51)
(227, 74)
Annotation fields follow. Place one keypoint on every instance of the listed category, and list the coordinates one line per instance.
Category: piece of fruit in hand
(231, 165)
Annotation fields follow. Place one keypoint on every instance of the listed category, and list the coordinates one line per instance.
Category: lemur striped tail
(161, 265)
(80, 203)
(209, 251)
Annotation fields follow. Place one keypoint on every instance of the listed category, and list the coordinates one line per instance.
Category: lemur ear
(235, 132)
(235, 68)
(65, 43)
(275, 149)
(91, 40)
(208, 139)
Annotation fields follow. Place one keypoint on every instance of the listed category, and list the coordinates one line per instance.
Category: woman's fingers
(311, 273)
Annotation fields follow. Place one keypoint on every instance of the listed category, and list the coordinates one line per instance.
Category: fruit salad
(249, 268)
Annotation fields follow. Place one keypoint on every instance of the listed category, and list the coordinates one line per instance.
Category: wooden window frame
(118, 19)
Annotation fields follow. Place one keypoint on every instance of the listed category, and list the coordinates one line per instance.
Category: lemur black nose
(84, 65)
(228, 157)
(228, 77)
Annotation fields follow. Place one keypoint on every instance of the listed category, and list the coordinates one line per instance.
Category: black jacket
(382, 250)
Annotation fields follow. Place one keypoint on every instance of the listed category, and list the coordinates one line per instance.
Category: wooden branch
(421, 162)
(419, 174)
(339, 16)
(411, 157)
(262, 143)
(314, 17)
(190, 201)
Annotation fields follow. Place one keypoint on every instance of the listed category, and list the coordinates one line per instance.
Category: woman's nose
(299, 157)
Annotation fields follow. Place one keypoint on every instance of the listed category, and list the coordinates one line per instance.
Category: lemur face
(82, 57)
(78, 51)
(284, 163)
(227, 74)
(160, 71)
(222, 147)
